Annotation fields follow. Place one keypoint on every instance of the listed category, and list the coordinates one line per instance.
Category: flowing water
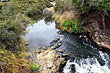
(84, 58)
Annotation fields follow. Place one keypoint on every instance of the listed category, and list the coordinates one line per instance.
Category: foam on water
(89, 65)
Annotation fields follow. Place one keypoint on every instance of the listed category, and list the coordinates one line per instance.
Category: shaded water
(85, 58)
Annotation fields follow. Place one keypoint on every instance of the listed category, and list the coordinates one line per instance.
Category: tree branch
(103, 20)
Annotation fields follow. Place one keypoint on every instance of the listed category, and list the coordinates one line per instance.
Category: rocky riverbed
(48, 60)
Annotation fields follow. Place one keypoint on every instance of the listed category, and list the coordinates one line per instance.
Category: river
(84, 57)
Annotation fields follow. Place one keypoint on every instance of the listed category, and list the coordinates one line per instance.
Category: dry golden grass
(2, 3)
(65, 15)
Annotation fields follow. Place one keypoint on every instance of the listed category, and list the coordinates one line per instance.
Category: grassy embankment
(14, 17)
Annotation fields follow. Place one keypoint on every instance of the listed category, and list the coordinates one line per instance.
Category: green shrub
(59, 6)
(86, 5)
(34, 66)
(62, 6)
(71, 25)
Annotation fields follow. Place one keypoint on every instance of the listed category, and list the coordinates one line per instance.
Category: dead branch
(103, 20)
(82, 3)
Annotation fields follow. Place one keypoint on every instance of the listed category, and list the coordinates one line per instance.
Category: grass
(10, 63)
(34, 66)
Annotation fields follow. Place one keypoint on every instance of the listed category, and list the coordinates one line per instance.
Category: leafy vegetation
(70, 25)
(14, 17)
(69, 22)
(62, 6)
(86, 5)
(34, 66)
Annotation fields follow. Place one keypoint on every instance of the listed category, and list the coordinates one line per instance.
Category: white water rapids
(89, 65)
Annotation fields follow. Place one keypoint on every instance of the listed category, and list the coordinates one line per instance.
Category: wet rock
(62, 65)
(61, 51)
(39, 51)
(85, 36)
(62, 59)
(87, 39)
(55, 40)
(84, 56)
(59, 44)
(60, 32)
(65, 55)
(53, 47)
(44, 48)
(26, 44)
(73, 68)
(39, 47)
(81, 36)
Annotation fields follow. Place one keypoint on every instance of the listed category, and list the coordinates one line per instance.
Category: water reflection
(41, 33)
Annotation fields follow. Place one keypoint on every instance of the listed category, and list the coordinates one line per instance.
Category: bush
(34, 66)
(70, 25)
(9, 34)
(86, 5)
(62, 6)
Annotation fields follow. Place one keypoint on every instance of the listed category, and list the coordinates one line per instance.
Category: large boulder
(48, 12)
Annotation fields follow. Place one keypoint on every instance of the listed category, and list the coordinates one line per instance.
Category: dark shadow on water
(37, 17)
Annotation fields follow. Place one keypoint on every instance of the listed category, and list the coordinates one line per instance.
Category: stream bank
(95, 25)
(70, 43)
(48, 60)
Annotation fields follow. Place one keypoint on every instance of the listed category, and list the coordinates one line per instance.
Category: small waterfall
(89, 65)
